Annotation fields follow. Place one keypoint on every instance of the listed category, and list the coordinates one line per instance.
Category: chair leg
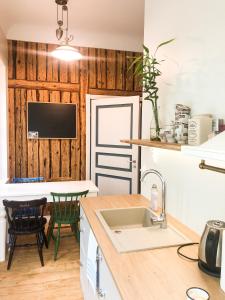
(72, 227)
(50, 230)
(40, 246)
(76, 231)
(12, 243)
(45, 239)
(57, 242)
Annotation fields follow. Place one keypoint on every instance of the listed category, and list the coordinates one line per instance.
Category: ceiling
(98, 23)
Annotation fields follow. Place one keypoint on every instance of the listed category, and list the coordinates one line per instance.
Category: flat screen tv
(47, 120)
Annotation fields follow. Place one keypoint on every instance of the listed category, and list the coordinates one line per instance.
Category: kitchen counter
(150, 274)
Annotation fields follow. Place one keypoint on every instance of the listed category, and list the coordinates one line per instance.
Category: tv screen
(51, 120)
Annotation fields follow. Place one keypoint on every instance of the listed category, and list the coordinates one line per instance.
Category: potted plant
(146, 67)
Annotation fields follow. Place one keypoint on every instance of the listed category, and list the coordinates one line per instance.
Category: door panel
(113, 185)
(110, 125)
(114, 161)
(114, 164)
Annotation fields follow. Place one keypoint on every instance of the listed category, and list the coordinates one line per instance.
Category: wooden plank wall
(35, 76)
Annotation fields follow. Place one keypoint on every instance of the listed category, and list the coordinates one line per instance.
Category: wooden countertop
(151, 274)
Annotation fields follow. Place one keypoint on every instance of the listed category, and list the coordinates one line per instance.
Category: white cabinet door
(84, 235)
(96, 280)
(107, 286)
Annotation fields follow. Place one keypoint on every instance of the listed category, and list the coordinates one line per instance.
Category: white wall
(95, 39)
(3, 109)
(106, 24)
(193, 74)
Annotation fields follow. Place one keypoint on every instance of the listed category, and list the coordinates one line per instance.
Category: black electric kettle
(210, 248)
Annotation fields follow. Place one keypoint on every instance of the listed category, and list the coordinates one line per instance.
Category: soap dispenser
(154, 198)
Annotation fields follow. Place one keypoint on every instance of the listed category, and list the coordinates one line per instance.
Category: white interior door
(114, 165)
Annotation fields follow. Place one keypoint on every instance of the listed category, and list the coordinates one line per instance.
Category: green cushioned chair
(66, 211)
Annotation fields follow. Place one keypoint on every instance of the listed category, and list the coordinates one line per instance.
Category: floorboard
(56, 280)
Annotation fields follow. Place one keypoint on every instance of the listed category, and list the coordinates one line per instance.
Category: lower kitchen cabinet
(107, 286)
(96, 279)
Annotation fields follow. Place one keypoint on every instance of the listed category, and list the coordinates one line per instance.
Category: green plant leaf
(164, 43)
(146, 49)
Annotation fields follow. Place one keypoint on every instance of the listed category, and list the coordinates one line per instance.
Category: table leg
(2, 233)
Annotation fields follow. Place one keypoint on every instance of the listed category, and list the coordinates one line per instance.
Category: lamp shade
(66, 53)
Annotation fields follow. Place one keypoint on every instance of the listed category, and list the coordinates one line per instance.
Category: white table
(29, 191)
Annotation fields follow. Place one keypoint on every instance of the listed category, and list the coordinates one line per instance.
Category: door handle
(132, 161)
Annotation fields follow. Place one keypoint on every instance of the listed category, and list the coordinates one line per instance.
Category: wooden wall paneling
(120, 70)
(23, 119)
(74, 71)
(55, 144)
(31, 61)
(18, 137)
(36, 76)
(137, 85)
(63, 71)
(129, 73)
(111, 69)
(82, 111)
(11, 128)
(20, 60)
(54, 96)
(32, 144)
(43, 85)
(52, 65)
(10, 60)
(101, 69)
(65, 146)
(75, 144)
(113, 92)
(41, 61)
(44, 155)
(92, 68)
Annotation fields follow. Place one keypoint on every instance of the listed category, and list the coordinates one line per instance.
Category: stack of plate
(182, 114)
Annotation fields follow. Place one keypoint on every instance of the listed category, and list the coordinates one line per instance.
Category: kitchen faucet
(161, 219)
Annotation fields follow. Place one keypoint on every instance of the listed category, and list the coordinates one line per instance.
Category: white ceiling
(117, 24)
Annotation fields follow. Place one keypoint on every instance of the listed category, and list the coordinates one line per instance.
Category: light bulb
(66, 53)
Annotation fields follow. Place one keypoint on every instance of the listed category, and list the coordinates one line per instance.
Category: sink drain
(118, 231)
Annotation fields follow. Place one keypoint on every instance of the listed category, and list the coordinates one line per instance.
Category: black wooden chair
(26, 218)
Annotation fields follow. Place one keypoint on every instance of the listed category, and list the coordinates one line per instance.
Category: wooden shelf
(148, 143)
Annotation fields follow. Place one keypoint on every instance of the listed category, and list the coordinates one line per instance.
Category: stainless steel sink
(131, 229)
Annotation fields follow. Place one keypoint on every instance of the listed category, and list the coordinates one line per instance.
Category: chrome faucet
(161, 219)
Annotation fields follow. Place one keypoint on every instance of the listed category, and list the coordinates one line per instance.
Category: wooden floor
(56, 280)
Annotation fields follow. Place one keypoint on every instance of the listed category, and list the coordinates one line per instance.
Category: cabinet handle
(101, 294)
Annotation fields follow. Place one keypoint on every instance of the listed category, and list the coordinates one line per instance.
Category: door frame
(89, 99)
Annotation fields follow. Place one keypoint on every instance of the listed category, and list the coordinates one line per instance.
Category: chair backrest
(67, 205)
(20, 211)
(27, 179)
